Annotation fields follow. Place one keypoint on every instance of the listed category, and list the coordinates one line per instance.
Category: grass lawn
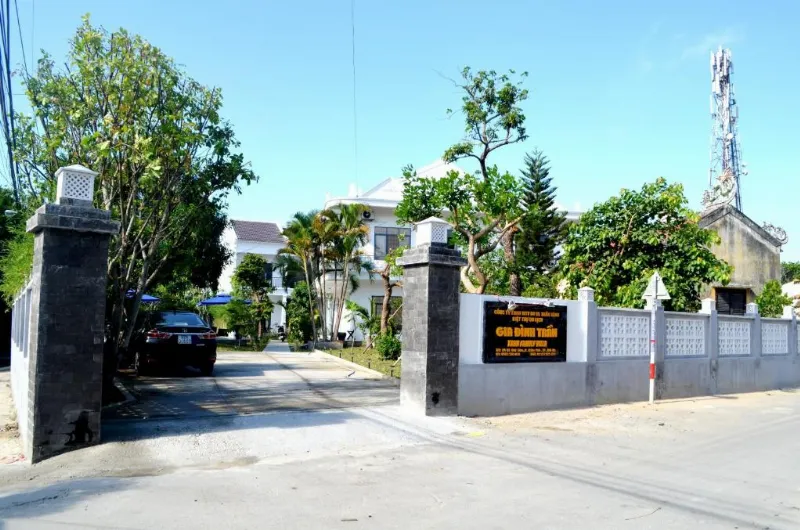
(234, 347)
(370, 358)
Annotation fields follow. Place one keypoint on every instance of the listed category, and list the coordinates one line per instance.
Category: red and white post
(654, 305)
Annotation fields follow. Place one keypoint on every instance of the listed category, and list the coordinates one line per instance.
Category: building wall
(382, 217)
(754, 258)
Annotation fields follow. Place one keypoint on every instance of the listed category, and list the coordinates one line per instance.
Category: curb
(129, 398)
(357, 367)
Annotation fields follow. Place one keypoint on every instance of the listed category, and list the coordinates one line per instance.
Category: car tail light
(209, 335)
(156, 334)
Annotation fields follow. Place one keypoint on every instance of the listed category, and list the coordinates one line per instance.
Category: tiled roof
(257, 231)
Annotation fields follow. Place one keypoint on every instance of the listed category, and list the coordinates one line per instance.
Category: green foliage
(389, 346)
(771, 301)
(16, 263)
(166, 159)
(252, 282)
(16, 246)
(492, 114)
(244, 320)
(790, 270)
(543, 227)
(420, 198)
(361, 317)
(179, 295)
(219, 316)
(481, 210)
(617, 245)
(542, 286)
(298, 318)
(330, 242)
(250, 279)
(302, 244)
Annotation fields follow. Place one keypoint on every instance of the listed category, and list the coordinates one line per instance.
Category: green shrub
(388, 346)
(772, 300)
(259, 344)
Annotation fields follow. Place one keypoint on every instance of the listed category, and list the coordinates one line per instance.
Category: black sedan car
(174, 339)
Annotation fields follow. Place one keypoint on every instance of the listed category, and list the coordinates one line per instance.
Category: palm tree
(302, 243)
(347, 234)
(289, 267)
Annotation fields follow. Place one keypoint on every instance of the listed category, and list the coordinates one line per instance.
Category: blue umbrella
(220, 299)
(146, 298)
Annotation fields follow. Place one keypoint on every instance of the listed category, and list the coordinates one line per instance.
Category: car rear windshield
(179, 319)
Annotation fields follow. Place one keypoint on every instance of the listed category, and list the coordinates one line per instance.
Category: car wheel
(207, 369)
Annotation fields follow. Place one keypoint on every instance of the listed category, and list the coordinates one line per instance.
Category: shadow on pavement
(56, 498)
(243, 386)
(130, 431)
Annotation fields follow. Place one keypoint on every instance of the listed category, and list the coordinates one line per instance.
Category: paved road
(728, 462)
(249, 383)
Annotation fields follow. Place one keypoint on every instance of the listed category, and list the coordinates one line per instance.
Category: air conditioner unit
(367, 215)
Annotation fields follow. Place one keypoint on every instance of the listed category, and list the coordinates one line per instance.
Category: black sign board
(525, 333)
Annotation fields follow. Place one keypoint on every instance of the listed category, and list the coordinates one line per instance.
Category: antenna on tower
(724, 169)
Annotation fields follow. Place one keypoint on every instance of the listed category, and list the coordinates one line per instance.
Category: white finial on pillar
(432, 230)
(709, 305)
(75, 183)
(586, 294)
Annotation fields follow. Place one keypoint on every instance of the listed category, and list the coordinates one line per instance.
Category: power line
(355, 107)
(21, 44)
(6, 96)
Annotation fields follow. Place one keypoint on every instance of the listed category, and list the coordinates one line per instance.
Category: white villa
(384, 232)
(264, 239)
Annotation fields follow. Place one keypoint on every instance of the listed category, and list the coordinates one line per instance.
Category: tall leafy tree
(481, 211)
(493, 119)
(618, 244)
(542, 228)
(166, 159)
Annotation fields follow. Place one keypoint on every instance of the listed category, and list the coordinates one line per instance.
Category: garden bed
(371, 359)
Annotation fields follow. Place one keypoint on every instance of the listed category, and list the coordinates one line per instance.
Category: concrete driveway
(251, 383)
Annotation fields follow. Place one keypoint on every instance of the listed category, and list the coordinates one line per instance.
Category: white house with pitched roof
(261, 238)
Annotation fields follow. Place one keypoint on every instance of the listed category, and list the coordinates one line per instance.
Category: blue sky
(619, 90)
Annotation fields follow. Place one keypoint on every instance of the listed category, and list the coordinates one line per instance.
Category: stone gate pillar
(431, 278)
(67, 317)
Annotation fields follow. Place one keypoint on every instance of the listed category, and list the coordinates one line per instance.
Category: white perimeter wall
(608, 358)
(20, 360)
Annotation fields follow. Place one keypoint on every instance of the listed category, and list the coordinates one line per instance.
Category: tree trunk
(141, 285)
(387, 301)
(473, 265)
(310, 306)
(340, 305)
(514, 281)
(323, 317)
